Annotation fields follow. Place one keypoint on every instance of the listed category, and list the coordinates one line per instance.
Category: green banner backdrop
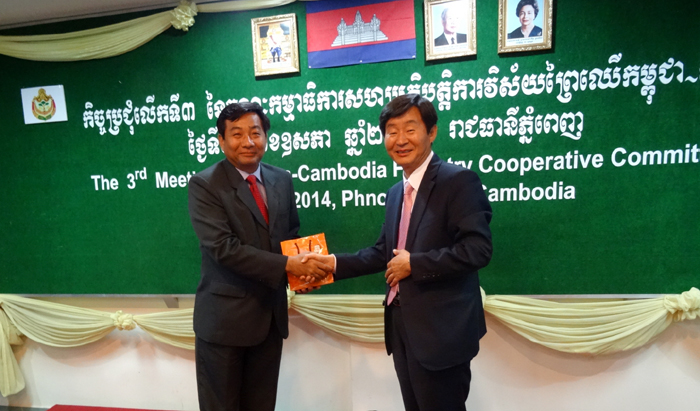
(588, 151)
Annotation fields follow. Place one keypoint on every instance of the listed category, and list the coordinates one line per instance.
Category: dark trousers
(423, 389)
(238, 378)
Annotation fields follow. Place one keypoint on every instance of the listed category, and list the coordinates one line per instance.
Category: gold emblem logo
(43, 106)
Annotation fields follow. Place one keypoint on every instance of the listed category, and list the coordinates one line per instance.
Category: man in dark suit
(450, 21)
(241, 209)
(433, 316)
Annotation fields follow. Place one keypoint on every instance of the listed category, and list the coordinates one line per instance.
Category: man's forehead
(238, 123)
(399, 120)
(234, 125)
(411, 116)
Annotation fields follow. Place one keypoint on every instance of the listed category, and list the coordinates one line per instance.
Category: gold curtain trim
(574, 327)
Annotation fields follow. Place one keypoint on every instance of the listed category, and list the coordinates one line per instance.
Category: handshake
(308, 271)
(309, 266)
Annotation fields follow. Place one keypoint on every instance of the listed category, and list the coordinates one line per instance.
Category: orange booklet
(314, 243)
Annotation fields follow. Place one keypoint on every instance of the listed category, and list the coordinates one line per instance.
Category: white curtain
(574, 327)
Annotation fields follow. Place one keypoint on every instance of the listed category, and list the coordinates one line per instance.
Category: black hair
(234, 111)
(524, 3)
(402, 104)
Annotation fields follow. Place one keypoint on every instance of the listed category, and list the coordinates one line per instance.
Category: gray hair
(444, 14)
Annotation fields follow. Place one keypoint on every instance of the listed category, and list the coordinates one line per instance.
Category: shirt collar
(417, 176)
(256, 173)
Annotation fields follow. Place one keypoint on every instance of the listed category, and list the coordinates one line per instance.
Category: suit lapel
(243, 192)
(421, 203)
(273, 201)
(393, 215)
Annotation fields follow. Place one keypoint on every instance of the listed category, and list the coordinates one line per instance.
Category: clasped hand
(398, 268)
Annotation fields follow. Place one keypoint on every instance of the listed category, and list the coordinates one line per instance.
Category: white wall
(325, 372)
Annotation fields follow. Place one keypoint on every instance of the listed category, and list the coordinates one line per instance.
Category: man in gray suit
(241, 209)
(434, 240)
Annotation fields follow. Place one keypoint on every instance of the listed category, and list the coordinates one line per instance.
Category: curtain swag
(573, 327)
(116, 39)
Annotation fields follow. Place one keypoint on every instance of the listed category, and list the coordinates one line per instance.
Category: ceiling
(19, 13)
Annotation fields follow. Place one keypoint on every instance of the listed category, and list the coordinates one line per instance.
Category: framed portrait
(275, 44)
(524, 25)
(450, 28)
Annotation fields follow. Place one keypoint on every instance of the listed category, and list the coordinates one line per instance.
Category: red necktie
(403, 230)
(258, 198)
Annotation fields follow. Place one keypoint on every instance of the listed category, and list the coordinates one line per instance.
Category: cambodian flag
(341, 33)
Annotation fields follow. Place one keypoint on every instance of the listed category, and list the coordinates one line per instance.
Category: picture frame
(512, 27)
(275, 44)
(450, 28)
